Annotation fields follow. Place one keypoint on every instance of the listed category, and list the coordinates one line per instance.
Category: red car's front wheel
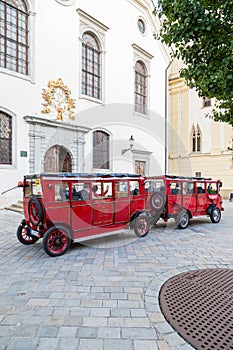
(56, 241)
(23, 235)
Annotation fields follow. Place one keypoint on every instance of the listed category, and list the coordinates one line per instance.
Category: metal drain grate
(199, 306)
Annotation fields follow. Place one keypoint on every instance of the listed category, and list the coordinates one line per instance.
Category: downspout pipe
(166, 119)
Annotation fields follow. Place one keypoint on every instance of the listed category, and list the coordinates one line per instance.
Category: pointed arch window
(5, 138)
(196, 139)
(140, 93)
(91, 66)
(14, 36)
(206, 102)
(100, 150)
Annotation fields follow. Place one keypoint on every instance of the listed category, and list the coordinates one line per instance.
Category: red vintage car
(183, 198)
(65, 208)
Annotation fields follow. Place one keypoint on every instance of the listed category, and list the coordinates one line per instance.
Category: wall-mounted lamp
(131, 144)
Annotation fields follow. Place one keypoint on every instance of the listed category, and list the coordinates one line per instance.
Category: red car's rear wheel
(141, 225)
(56, 241)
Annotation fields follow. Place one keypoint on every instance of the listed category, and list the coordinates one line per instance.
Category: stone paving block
(47, 332)
(67, 344)
(164, 328)
(137, 322)
(10, 320)
(95, 321)
(138, 313)
(73, 321)
(109, 333)
(46, 343)
(113, 344)
(162, 345)
(66, 331)
(138, 333)
(119, 296)
(90, 344)
(174, 340)
(145, 345)
(100, 312)
(79, 311)
(87, 332)
(116, 321)
(23, 344)
(117, 312)
(91, 303)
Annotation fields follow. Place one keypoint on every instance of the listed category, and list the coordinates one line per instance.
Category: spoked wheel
(215, 215)
(23, 235)
(182, 219)
(141, 225)
(56, 241)
(35, 211)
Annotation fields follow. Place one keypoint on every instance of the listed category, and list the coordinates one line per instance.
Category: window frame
(196, 139)
(95, 53)
(140, 89)
(100, 150)
(13, 140)
(11, 34)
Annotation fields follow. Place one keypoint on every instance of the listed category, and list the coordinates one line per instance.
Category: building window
(140, 167)
(196, 139)
(5, 138)
(198, 174)
(141, 26)
(91, 66)
(100, 150)
(14, 36)
(140, 88)
(206, 102)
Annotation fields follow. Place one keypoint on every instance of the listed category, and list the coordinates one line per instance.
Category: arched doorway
(57, 159)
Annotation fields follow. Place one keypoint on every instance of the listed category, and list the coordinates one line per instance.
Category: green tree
(200, 32)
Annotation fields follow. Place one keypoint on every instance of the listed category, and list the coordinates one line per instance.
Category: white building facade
(78, 79)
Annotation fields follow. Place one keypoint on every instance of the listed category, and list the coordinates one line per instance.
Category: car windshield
(33, 187)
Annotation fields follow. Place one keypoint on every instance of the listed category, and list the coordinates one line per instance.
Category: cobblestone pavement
(102, 295)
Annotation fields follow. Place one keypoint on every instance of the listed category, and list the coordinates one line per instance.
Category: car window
(188, 188)
(121, 189)
(61, 191)
(101, 189)
(212, 188)
(200, 187)
(134, 188)
(153, 185)
(175, 187)
(81, 191)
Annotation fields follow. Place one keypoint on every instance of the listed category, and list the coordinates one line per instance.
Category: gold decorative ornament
(57, 97)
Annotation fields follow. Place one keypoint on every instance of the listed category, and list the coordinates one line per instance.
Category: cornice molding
(142, 51)
(92, 20)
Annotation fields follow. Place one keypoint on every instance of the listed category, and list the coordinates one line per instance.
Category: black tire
(35, 211)
(215, 215)
(141, 225)
(182, 219)
(24, 237)
(157, 201)
(56, 241)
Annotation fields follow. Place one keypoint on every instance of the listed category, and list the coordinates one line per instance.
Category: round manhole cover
(199, 306)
